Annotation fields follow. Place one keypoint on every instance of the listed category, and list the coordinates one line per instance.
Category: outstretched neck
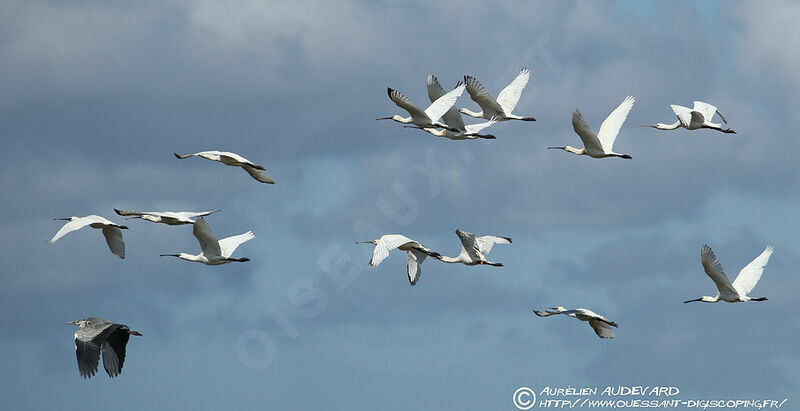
(472, 113)
(447, 259)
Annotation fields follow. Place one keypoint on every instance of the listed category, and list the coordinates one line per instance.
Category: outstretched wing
(444, 103)
(714, 270)
(415, 259)
(509, 96)
(751, 273)
(113, 237)
(478, 94)
(258, 174)
(385, 244)
(707, 110)
(601, 328)
(403, 102)
(683, 113)
(476, 128)
(71, 226)
(451, 117)
(611, 125)
(229, 244)
(545, 313)
(182, 156)
(208, 243)
(581, 127)
(486, 242)
(88, 355)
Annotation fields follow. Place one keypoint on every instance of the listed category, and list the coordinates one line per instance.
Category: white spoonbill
(600, 145)
(416, 253)
(502, 107)
(474, 249)
(601, 325)
(111, 231)
(698, 117)
(232, 159)
(453, 118)
(429, 117)
(214, 252)
(165, 217)
(741, 286)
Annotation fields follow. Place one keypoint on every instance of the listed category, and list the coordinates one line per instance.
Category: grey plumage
(96, 336)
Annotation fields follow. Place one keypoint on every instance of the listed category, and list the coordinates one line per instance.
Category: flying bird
(415, 253)
(474, 249)
(232, 159)
(601, 325)
(111, 231)
(699, 116)
(600, 145)
(428, 118)
(741, 286)
(165, 217)
(96, 335)
(501, 108)
(214, 252)
(453, 119)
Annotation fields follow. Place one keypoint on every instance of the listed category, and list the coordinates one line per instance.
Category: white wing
(509, 96)
(451, 117)
(229, 244)
(707, 110)
(478, 94)
(714, 270)
(415, 258)
(71, 226)
(602, 329)
(208, 243)
(486, 242)
(683, 113)
(444, 103)
(476, 128)
(385, 244)
(113, 237)
(581, 127)
(751, 273)
(258, 174)
(403, 102)
(611, 125)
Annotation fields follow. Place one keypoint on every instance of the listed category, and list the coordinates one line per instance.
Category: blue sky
(97, 96)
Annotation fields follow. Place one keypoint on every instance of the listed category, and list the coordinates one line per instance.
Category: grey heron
(601, 325)
(96, 335)
(111, 231)
(232, 159)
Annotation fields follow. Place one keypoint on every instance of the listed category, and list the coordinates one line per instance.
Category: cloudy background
(95, 97)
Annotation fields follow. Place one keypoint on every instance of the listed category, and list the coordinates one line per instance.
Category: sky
(96, 96)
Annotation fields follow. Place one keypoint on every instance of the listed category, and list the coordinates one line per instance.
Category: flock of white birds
(441, 119)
